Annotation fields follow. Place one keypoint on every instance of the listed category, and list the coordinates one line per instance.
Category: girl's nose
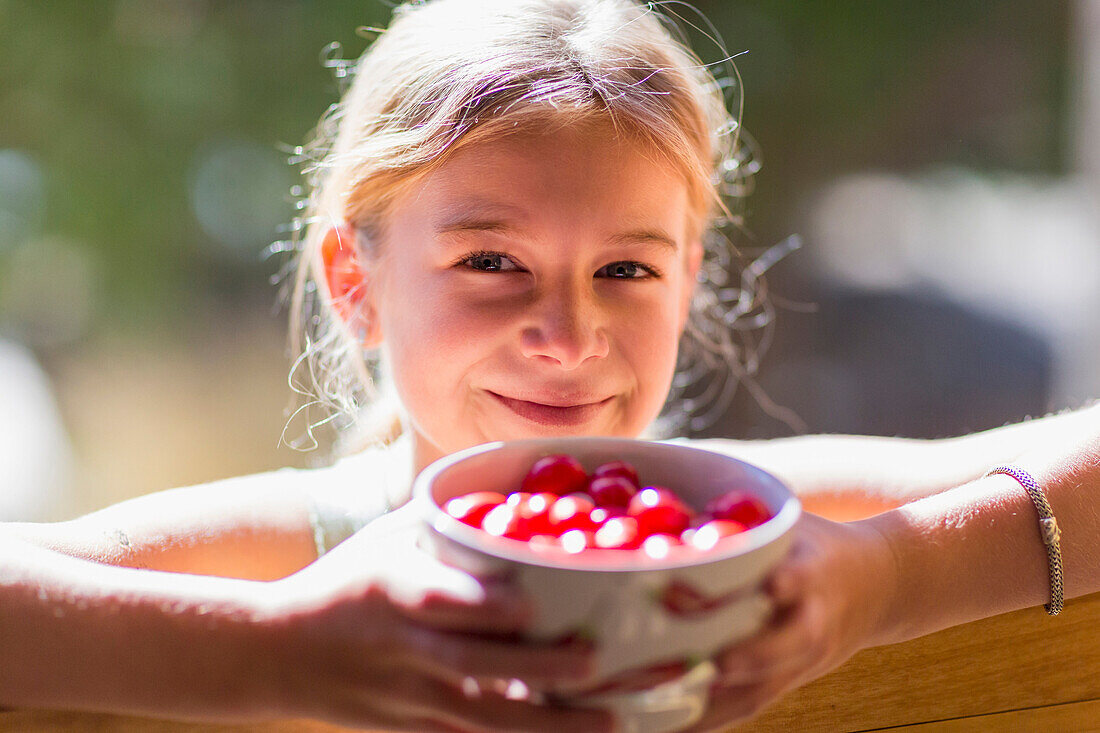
(566, 330)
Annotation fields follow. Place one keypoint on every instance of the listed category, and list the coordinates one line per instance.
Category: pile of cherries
(560, 505)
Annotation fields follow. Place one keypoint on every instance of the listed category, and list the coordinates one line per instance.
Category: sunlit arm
(77, 633)
(976, 551)
(373, 635)
(962, 554)
(81, 635)
(253, 527)
(846, 477)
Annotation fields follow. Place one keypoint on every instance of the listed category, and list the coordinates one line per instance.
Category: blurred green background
(143, 173)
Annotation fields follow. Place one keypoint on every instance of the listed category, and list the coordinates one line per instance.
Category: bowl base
(669, 706)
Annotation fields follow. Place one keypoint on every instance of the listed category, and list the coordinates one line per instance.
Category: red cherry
(559, 474)
(543, 541)
(707, 536)
(520, 517)
(471, 508)
(698, 519)
(505, 521)
(542, 501)
(571, 512)
(612, 491)
(535, 512)
(657, 546)
(558, 506)
(599, 515)
(619, 533)
(621, 469)
(577, 540)
(739, 506)
(659, 511)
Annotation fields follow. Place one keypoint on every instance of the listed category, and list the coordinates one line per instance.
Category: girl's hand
(831, 595)
(376, 633)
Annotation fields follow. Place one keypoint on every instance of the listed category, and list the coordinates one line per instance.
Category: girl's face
(535, 286)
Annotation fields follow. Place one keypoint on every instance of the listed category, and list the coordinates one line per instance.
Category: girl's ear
(351, 292)
(694, 262)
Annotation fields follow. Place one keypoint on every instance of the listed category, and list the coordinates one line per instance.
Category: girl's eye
(627, 271)
(497, 262)
(488, 262)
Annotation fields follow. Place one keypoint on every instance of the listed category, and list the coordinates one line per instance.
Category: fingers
(787, 585)
(456, 656)
(791, 638)
(500, 611)
(738, 703)
(404, 696)
(788, 642)
(491, 712)
(430, 592)
(410, 573)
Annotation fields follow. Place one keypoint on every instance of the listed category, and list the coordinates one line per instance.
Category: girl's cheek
(478, 318)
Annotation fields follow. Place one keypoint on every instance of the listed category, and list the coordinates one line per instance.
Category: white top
(358, 489)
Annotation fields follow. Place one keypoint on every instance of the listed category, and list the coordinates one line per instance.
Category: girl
(509, 225)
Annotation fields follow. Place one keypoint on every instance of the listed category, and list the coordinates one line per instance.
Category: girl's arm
(847, 477)
(364, 637)
(254, 527)
(961, 555)
(85, 636)
(976, 551)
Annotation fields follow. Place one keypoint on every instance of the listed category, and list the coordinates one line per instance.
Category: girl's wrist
(250, 624)
(886, 606)
(918, 592)
(208, 647)
(277, 635)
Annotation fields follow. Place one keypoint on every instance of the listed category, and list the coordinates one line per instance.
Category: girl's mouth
(555, 416)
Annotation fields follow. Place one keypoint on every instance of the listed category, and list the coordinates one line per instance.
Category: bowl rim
(679, 556)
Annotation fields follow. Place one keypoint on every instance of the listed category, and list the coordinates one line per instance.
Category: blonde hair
(449, 73)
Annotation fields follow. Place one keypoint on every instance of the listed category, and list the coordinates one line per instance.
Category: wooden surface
(1020, 671)
(1022, 661)
(1079, 717)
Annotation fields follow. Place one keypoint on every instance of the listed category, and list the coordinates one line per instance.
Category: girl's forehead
(559, 166)
(586, 191)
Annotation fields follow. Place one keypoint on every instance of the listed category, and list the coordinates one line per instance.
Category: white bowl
(612, 596)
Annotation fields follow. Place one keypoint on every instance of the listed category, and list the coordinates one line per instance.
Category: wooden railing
(1021, 671)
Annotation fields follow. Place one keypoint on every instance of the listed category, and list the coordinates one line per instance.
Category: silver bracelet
(1048, 529)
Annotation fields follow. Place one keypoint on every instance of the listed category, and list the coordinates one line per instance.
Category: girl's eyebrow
(477, 215)
(656, 239)
(474, 224)
(646, 236)
(482, 216)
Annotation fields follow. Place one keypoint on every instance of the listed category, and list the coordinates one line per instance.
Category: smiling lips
(556, 415)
